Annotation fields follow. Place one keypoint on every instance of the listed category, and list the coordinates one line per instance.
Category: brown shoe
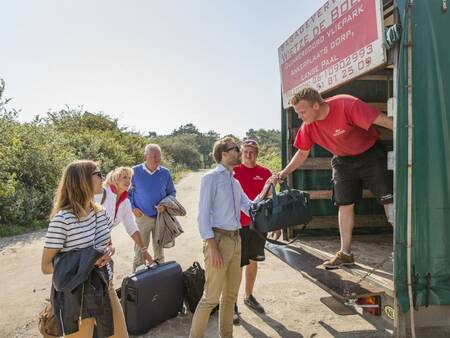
(339, 260)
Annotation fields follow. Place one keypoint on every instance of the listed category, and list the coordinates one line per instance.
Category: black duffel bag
(194, 282)
(287, 208)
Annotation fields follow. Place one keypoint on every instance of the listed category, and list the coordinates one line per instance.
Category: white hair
(151, 147)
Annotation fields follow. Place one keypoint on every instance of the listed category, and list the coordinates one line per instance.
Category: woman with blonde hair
(116, 203)
(78, 227)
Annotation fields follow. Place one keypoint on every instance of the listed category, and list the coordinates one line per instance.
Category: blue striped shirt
(221, 200)
(67, 232)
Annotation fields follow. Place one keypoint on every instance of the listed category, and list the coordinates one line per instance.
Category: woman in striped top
(78, 223)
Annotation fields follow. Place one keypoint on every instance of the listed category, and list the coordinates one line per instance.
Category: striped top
(67, 232)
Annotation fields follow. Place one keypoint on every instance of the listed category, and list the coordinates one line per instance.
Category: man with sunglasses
(252, 178)
(221, 200)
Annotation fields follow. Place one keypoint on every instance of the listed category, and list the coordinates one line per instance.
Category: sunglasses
(234, 147)
(250, 142)
(98, 173)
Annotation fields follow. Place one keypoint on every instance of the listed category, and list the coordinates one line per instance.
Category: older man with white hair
(150, 184)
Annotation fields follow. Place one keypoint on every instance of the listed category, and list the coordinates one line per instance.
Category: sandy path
(292, 303)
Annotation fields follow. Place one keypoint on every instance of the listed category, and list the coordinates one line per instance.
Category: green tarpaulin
(431, 155)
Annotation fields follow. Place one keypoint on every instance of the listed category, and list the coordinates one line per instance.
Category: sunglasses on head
(98, 173)
(234, 147)
(250, 142)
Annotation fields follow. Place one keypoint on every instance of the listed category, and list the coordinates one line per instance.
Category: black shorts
(352, 174)
(252, 246)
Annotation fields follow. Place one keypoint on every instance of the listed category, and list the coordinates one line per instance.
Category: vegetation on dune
(33, 155)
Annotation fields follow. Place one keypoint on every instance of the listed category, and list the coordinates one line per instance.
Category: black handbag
(194, 282)
(287, 208)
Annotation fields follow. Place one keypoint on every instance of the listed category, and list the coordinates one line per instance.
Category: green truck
(395, 55)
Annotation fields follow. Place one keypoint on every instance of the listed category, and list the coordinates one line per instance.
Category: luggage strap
(274, 241)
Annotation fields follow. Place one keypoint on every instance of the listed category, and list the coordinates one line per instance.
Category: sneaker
(339, 260)
(253, 304)
(236, 316)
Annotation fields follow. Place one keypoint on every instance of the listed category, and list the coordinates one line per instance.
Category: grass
(179, 174)
(14, 230)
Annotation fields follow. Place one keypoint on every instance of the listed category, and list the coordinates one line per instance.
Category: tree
(265, 137)
(186, 129)
(182, 150)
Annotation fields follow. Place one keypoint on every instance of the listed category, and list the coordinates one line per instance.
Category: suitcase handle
(152, 266)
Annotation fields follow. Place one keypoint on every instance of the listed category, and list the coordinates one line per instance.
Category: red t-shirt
(252, 181)
(346, 131)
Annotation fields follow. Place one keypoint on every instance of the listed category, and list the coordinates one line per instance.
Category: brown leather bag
(47, 322)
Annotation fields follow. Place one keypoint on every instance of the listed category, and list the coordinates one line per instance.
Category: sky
(154, 65)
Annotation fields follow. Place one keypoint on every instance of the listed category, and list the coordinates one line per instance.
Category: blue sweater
(148, 190)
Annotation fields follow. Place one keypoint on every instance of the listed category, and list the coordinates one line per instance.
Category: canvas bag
(287, 208)
(47, 322)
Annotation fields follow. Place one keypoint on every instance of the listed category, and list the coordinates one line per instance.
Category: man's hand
(214, 253)
(137, 212)
(275, 234)
(266, 192)
(279, 176)
(160, 208)
(148, 259)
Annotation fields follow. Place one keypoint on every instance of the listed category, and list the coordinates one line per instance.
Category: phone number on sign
(353, 64)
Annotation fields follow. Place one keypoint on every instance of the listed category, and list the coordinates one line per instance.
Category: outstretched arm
(296, 161)
(384, 121)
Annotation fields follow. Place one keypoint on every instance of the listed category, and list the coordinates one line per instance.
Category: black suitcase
(151, 296)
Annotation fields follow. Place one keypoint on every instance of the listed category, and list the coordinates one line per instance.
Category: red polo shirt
(252, 181)
(346, 131)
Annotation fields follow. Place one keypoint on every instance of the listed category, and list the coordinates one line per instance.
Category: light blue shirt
(221, 200)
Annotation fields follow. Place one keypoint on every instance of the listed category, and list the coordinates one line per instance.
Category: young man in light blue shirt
(221, 200)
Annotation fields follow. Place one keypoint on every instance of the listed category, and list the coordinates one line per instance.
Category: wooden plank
(292, 134)
(361, 221)
(375, 77)
(316, 163)
(381, 106)
(384, 134)
(326, 194)
(337, 282)
(380, 278)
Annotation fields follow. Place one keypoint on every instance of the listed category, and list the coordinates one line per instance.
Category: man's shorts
(352, 174)
(252, 246)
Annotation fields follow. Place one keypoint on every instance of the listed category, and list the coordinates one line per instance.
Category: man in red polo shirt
(343, 125)
(252, 178)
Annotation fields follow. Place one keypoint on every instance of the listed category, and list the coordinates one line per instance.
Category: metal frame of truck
(372, 295)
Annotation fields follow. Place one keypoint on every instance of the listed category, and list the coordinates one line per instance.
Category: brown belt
(226, 232)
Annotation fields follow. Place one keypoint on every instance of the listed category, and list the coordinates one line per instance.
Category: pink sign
(341, 41)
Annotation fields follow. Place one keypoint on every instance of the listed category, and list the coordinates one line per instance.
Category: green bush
(33, 156)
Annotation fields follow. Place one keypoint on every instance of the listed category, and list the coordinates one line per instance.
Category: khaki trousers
(220, 284)
(146, 227)
(86, 326)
